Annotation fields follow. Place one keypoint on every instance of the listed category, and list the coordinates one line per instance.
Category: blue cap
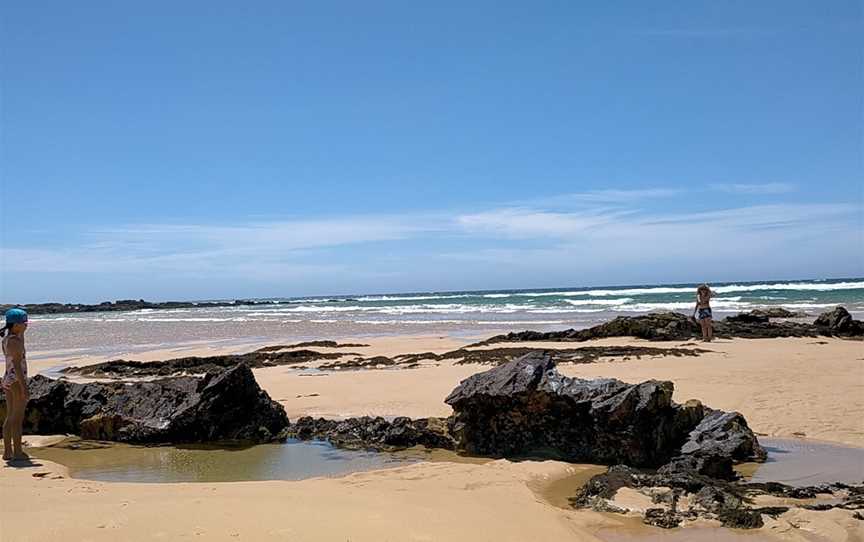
(16, 316)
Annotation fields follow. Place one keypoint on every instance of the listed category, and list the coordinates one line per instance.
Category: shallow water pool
(292, 460)
(799, 462)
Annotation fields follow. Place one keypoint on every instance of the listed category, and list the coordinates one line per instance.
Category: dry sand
(495, 501)
(785, 387)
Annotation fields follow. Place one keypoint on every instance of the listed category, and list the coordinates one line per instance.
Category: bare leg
(709, 324)
(18, 428)
(9, 422)
(704, 323)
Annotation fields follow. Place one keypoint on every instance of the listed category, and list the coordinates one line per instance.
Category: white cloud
(253, 249)
(755, 189)
(526, 223)
(600, 243)
(531, 223)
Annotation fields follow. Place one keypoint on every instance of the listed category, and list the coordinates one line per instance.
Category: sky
(211, 150)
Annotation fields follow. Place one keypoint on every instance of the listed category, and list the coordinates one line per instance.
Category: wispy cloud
(251, 249)
(610, 197)
(531, 223)
(608, 234)
(755, 189)
(522, 223)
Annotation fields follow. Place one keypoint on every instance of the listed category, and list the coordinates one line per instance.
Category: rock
(720, 440)
(777, 312)
(838, 321)
(690, 495)
(763, 316)
(710, 465)
(526, 407)
(605, 486)
(375, 433)
(748, 318)
(740, 518)
(656, 326)
(664, 326)
(661, 517)
(225, 406)
(265, 357)
(714, 499)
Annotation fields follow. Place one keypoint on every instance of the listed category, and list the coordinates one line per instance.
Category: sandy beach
(785, 387)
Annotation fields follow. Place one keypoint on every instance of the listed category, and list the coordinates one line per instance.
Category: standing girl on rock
(14, 382)
(703, 311)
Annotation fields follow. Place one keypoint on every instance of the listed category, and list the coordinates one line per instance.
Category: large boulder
(526, 407)
(838, 321)
(218, 406)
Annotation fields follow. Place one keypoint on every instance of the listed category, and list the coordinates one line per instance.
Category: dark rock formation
(706, 497)
(271, 356)
(584, 354)
(311, 344)
(661, 517)
(664, 326)
(265, 357)
(526, 407)
(838, 321)
(751, 317)
(375, 433)
(225, 406)
(131, 305)
(777, 312)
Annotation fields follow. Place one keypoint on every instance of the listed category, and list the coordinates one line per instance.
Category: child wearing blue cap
(14, 382)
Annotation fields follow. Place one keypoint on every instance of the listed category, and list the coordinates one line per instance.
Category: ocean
(467, 313)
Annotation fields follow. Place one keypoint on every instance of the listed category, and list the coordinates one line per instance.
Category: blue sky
(177, 150)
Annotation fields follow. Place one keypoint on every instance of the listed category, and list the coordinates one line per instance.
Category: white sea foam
(410, 297)
(610, 302)
(802, 286)
(235, 319)
(657, 290)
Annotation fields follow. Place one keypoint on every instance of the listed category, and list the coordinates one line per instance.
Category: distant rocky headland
(131, 305)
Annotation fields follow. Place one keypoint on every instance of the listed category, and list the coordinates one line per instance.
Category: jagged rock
(225, 406)
(740, 518)
(661, 517)
(713, 499)
(706, 497)
(838, 321)
(377, 433)
(526, 407)
(720, 440)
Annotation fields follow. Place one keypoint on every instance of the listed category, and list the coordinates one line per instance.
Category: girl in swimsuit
(703, 311)
(14, 382)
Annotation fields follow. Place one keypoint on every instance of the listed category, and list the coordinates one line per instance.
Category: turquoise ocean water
(467, 313)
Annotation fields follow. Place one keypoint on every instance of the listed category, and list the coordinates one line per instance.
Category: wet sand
(785, 387)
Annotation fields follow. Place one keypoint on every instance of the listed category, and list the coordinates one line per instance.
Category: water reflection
(293, 460)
